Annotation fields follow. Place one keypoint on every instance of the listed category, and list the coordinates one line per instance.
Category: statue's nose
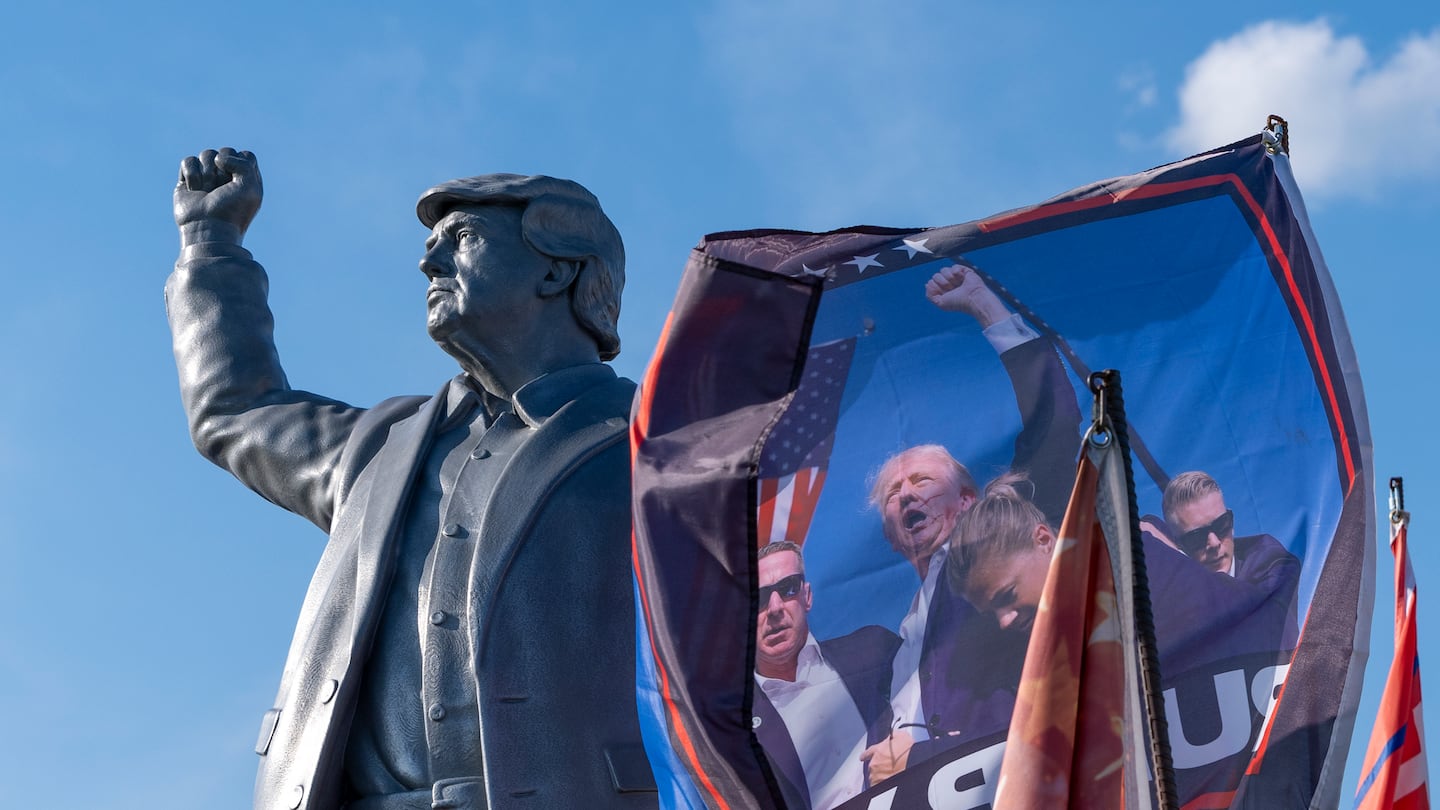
(434, 266)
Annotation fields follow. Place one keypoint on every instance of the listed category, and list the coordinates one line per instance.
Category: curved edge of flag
(677, 789)
(673, 780)
(1344, 597)
(693, 443)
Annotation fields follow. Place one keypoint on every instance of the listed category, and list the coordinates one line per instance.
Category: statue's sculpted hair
(560, 219)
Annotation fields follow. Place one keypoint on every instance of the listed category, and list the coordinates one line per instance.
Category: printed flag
(1066, 746)
(1395, 776)
(967, 349)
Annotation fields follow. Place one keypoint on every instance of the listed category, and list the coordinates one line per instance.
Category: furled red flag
(1066, 746)
(1394, 776)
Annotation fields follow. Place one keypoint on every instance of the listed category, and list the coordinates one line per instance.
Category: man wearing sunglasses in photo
(1224, 606)
(1204, 529)
(820, 703)
(1251, 607)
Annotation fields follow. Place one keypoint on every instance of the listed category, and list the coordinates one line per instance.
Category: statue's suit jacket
(551, 614)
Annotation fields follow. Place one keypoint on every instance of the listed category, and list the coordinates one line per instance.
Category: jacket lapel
(385, 513)
(774, 737)
(575, 434)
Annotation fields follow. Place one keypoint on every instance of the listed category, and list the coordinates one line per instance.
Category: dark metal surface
(524, 280)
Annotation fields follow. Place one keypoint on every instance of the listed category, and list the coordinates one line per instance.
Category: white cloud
(1355, 124)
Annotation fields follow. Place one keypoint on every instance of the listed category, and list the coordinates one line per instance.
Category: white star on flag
(862, 262)
(806, 269)
(913, 246)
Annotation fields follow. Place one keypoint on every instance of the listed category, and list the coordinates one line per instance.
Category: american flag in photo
(792, 465)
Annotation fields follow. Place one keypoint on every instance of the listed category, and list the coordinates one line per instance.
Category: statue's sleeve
(282, 443)
(1049, 440)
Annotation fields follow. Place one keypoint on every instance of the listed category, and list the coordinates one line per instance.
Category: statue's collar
(535, 401)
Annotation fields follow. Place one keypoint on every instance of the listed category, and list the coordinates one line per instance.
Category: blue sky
(148, 599)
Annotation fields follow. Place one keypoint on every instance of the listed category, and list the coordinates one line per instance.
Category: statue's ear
(563, 273)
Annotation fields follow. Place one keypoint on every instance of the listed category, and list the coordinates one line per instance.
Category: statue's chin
(439, 324)
(442, 331)
(454, 345)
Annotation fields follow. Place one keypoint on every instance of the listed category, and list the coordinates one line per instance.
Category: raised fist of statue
(217, 196)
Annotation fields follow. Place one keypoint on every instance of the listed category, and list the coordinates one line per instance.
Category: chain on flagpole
(1108, 424)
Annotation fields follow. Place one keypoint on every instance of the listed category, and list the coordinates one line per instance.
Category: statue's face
(484, 279)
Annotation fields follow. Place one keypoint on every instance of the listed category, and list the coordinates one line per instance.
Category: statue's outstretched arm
(244, 416)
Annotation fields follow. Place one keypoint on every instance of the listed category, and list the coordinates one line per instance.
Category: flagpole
(1395, 773)
(1110, 408)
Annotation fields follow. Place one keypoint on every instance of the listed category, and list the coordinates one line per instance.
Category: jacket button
(297, 796)
(328, 689)
(453, 530)
(479, 453)
(438, 617)
(437, 712)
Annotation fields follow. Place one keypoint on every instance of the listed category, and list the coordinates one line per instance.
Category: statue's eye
(466, 236)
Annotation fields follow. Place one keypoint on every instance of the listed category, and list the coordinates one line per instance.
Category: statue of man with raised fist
(468, 638)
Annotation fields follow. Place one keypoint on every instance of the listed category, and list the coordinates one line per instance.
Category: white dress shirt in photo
(827, 729)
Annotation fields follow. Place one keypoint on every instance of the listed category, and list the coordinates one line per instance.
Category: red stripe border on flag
(1152, 190)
